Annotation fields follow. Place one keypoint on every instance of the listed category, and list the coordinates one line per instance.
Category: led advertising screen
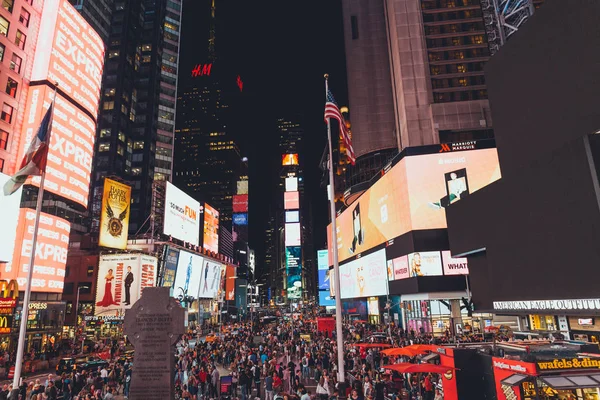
(9, 215)
(398, 268)
(293, 257)
(50, 255)
(291, 200)
(230, 283)
(364, 277)
(188, 275)
(182, 216)
(324, 282)
(293, 260)
(325, 300)
(425, 263)
(210, 279)
(323, 259)
(114, 216)
(291, 184)
(70, 52)
(332, 284)
(172, 257)
(289, 159)
(121, 280)
(242, 187)
(240, 203)
(373, 305)
(71, 143)
(454, 266)
(292, 234)
(211, 229)
(240, 219)
(292, 216)
(412, 195)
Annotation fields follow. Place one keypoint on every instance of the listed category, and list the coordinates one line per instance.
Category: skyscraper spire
(211, 39)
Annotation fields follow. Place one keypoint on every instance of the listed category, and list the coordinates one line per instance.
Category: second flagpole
(336, 268)
(27, 294)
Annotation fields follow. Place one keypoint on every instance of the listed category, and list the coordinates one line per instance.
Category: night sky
(281, 49)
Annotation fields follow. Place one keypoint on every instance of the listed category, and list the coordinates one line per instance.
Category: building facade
(97, 13)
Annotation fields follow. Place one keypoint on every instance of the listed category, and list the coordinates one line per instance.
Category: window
(105, 132)
(109, 92)
(20, 39)
(136, 171)
(7, 113)
(8, 5)
(122, 137)
(147, 47)
(90, 270)
(15, 63)
(120, 150)
(3, 140)
(1, 164)
(2, 47)
(108, 105)
(113, 54)
(4, 25)
(11, 87)
(138, 145)
(354, 26)
(24, 17)
(124, 109)
(102, 147)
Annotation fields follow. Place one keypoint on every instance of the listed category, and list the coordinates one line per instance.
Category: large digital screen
(50, 255)
(172, 257)
(9, 215)
(70, 52)
(291, 184)
(454, 266)
(188, 275)
(293, 261)
(122, 279)
(114, 216)
(210, 279)
(240, 219)
(398, 268)
(211, 229)
(373, 305)
(292, 216)
(364, 277)
(292, 234)
(240, 203)
(242, 187)
(293, 258)
(325, 299)
(289, 159)
(71, 143)
(230, 283)
(291, 200)
(425, 263)
(324, 281)
(413, 195)
(182, 216)
(323, 259)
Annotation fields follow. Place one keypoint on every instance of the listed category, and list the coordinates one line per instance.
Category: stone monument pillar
(153, 325)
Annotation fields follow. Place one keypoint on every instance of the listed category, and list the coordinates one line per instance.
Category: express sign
(70, 52)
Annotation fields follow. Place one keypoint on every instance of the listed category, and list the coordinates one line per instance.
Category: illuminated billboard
(240, 203)
(71, 143)
(9, 215)
(292, 216)
(291, 200)
(292, 234)
(182, 216)
(425, 263)
(70, 52)
(51, 252)
(323, 259)
(171, 260)
(325, 299)
(324, 281)
(364, 277)
(242, 187)
(289, 159)
(122, 279)
(230, 283)
(210, 279)
(412, 195)
(211, 229)
(454, 266)
(293, 264)
(398, 268)
(240, 219)
(114, 215)
(291, 184)
(188, 275)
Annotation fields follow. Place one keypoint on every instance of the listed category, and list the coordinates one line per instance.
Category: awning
(514, 380)
(418, 368)
(572, 381)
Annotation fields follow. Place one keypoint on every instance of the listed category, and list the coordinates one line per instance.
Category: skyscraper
(208, 160)
(97, 13)
(137, 116)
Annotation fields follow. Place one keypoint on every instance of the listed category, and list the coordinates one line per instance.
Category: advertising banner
(9, 215)
(210, 280)
(230, 283)
(289, 159)
(170, 267)
(242, 187)
(364, 277)
(324, 282)
(294, 287)
(412, 195)
(373, 305)
(240, 203)
(121, 280)
(50, 253)
(182, 216)
(114, 216)
(71, 143)
(291, 184)
(292, 216)
(240, 219)
(454, 266)
(292, 235)
(398, 268)
(70, 52)
(356, 308)
(293, 261)
(291, 200)
(325, 300)
(323, 259)
(188, 275)
(211, 229)
(425, 263)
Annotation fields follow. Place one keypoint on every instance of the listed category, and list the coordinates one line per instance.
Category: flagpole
(336, 268)
(27, 294)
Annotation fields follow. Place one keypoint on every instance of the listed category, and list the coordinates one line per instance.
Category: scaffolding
(503, 18)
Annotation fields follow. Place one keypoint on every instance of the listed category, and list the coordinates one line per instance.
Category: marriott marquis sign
(573, 304)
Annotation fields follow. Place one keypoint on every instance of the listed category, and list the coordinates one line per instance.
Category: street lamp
(77, 312)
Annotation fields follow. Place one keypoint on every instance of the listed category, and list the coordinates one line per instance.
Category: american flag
(333, 111)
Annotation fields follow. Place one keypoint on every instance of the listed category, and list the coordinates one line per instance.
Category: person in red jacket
(277, 383)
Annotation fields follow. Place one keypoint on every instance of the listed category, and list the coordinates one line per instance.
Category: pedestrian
(51, 391)
(269, 386)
